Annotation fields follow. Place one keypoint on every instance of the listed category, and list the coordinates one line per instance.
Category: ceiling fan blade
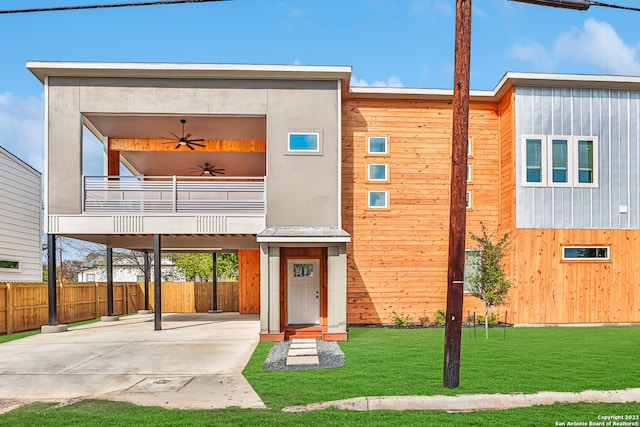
(190, 147)
(196, 140)
(187, 136)
(196, 144)
(175, 136)
(178, 146)
(202, 173)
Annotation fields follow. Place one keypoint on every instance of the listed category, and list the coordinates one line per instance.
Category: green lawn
(406, 362)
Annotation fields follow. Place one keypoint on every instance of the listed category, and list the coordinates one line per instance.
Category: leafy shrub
(441, 317)
(399, 320)
(492, 319)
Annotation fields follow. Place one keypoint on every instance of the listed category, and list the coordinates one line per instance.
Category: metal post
(109, 282)
(51, 280)
(457, 211)
(215, 281)
(146, 280)
(157, 282)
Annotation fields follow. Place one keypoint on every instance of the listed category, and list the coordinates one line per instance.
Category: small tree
(490, 283)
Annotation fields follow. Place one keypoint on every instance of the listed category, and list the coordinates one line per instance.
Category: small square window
(377, 172)
(91, 277)
(377, 199)
(304, 142)
(377, 145)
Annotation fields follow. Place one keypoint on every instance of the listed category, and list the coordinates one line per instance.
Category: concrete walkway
(303, 351)
(195, 362)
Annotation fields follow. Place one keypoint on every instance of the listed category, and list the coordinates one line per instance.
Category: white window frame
(594, 141)
(468, 199)
(11, 270)
(378, 153)
(572, 159)
(469, 147)
(90, 277)
(543, 171)
(607, 258)
(316, 151)
(386, 172)
(386, 199)
(469, 173)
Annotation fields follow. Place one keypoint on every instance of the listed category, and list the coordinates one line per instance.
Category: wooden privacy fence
(24, 305)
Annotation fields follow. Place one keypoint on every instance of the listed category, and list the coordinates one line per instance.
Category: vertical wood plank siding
(548, 290)
(397, 260)
(249, 281)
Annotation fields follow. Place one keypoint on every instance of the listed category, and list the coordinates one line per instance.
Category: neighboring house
(20, 220)
(337, 197)
(128, 270)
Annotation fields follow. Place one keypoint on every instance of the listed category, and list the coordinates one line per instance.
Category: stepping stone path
(303, 351)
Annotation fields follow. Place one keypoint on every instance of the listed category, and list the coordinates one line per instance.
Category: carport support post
(215, 281)
(51, 280)
(109, 281)
(146, 280)
(157, 283)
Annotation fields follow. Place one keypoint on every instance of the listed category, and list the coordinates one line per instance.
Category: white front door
(303, 291)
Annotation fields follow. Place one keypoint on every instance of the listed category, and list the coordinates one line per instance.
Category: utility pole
(458, 205)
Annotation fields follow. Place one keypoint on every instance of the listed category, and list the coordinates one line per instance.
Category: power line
(614, 6)
(105, 6)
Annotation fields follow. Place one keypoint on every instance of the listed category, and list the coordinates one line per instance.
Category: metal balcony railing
(174, 194)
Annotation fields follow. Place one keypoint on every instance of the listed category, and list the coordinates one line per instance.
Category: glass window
(378, 199)
(468, 199)
(560, 160)
(9, 264)
(585, 253)
(585, 161)
(471, 267)
(377, 145)
(534, 160)
(468, 173)
(377, 172)
(304, 142)
(91, 277)
(302, 270)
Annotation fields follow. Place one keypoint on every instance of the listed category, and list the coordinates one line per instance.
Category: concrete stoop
(472, 402)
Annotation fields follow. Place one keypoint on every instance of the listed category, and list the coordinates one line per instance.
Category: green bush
(441, 317)
(492, 317)
(401, 321)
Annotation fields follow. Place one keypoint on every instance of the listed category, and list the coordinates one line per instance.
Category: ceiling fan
(184, 139)
(210, 170)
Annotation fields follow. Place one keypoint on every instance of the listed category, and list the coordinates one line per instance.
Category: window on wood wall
(585, 253)
(378, 199)
(377, 172)
(377, 145)
(560, 161)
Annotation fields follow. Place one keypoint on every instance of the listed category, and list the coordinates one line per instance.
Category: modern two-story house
(337, 197)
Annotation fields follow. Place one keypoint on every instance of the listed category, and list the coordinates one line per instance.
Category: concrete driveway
(194, 362)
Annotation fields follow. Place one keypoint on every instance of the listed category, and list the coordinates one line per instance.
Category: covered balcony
(168, 174)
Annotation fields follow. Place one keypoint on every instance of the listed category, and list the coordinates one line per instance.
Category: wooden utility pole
(458, 206)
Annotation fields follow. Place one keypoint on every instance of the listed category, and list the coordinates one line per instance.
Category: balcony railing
(174, 194)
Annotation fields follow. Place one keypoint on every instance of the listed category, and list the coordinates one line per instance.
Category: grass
(409, 362)
(405, 362)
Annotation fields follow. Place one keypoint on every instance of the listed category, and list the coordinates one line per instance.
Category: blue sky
(405, 43)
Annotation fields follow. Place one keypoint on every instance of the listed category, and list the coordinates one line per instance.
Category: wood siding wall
(549, 290)
(397, 260)
(20, 219)
(249, 281)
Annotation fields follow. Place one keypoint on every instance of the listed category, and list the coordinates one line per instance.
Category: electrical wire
(105, 6)
(614, 6)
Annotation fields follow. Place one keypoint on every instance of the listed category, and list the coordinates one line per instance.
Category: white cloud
(22, 128)
(534, 53)
(595, 44)
(598, 43)
(392, 81)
